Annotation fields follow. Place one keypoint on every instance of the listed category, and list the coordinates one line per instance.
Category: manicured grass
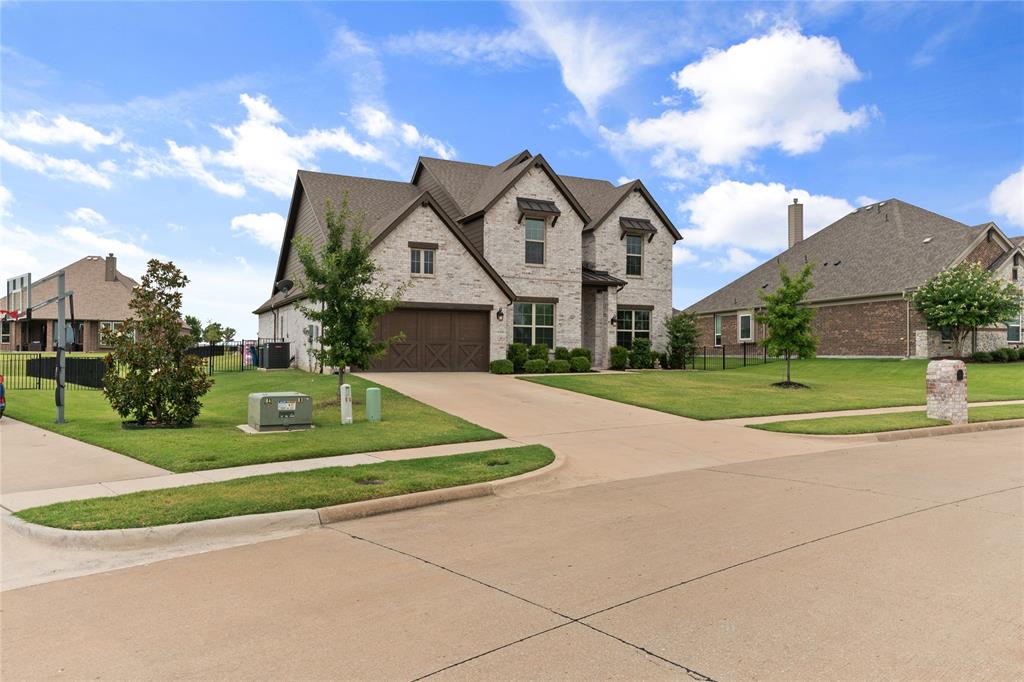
(281, 492)
(747, 392)
(876, 423)
(215, 441)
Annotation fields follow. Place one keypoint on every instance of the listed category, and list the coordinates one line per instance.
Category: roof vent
(837, 262)
(926, 240)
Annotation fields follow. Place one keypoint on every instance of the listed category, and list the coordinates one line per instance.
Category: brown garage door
(436, 340)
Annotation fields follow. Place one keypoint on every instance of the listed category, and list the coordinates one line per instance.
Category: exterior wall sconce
(614, 322)
(501, 314)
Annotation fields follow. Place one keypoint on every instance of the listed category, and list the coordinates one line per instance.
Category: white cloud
(175, 227)
(466, 46)
(5, 201)
(735, 260)
(415, 139)
(266, 228)
(373, 121)
(780, 90)
(681, 255)
(95, 243)
(754, 216)
(864, 200)
(87, 216)
(44, 164)
(1007, 198)
(33, 126)
(377, 123)
(192, 161)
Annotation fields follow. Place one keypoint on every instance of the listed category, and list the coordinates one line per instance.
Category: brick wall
(985, 253)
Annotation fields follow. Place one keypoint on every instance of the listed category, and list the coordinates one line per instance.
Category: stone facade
(946, 382)
(559, 277)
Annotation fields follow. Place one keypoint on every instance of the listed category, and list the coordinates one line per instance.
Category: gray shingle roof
(374, 200)
(876, 250)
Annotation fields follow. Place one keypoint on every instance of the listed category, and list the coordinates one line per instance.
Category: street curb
(387, 505)
(930, 431)
(256, 525)
(210, 530)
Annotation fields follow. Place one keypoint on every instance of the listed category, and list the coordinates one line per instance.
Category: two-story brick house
(866, 266)
(491, 255)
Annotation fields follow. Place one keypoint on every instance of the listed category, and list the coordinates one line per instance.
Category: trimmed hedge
(558, 366)
(539, 351)
(518, 353)
(663, 360)
(581, 353)
(580, 363)
(640, 357)
(562, 353)
(982, 356)
(619, 357)
(536, 366)
(502, 367)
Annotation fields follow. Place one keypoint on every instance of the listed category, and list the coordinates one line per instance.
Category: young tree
(964, 298)
(214, 333)
(229, 334)
(341, 294)
(787, 320)
(150, 373)
(195, 328)
(682, 338)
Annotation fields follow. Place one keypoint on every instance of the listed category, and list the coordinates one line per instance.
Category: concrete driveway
(897, 560)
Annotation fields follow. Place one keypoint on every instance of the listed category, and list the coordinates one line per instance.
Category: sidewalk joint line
(817, 483)
(695, 674)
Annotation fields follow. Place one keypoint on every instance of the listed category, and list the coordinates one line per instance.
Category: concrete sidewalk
(743, 421)
(17, 501)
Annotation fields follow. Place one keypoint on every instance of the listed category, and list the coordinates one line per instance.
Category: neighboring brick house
(491, 255)
(866, 266)
(101, 296)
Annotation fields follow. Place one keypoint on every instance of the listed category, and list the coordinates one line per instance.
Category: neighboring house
(101, 296)
(491, 255)
(866, 265)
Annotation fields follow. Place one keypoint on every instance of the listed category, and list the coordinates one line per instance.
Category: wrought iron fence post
(723, 356)
(744, 354)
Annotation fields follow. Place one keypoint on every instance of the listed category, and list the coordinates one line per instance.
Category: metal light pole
(61, 345)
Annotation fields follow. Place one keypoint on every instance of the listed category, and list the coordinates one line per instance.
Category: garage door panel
(436, 340)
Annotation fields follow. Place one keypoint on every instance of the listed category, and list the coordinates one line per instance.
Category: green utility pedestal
(373, 404)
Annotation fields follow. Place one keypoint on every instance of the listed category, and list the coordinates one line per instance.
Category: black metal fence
(711, 358)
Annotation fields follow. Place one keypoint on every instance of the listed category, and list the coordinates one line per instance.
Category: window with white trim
(1013, 331)
(634, 255)
(746, 327)
(718, 330)
(534, 323)
(535, 229)
(5, 331)
(106, 328)
(421, 262)
(631, 324)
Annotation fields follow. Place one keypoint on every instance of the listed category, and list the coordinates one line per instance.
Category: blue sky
(174, 130)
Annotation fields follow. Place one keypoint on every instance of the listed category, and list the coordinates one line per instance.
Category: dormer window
(535, 234)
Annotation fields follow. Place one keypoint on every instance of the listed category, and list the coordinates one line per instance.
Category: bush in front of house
(502, 367)
(580, 363)
(558, 366)
(1018, 354)
(619, 357)
(663, 360)
(641, 357)
(581, 353)
(518, 354)
(1002, 355)
(539, 351)
(562, 353)
(981, 356)
(535, 366)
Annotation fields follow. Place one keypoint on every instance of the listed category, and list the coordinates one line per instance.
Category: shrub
(562, 353)
(1018, 353)
(640, 357)
(558, 366)
(663, 360)
(581, 353)
(536, 366)
(982, 356)
(682, 339)
(1001, 355)
(518, 353)
(539, 351)
(580, 363)
(619, 357)
(502, 367)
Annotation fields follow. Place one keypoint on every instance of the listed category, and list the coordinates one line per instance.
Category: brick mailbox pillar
(947, 391)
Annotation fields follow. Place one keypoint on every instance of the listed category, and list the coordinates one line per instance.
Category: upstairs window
(421, 261)
(535, 228)
(634, 255)
(718, 330)
(632, 324)
(5, 332)
(746, 328)
(534, 323)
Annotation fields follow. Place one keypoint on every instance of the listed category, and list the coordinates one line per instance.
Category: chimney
(796, 223)
(111, 275)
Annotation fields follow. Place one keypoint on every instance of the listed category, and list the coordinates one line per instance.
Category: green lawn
(876, 423)
(747, 392)
(281, 492)
(215, 442)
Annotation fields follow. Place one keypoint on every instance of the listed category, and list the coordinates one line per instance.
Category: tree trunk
(788, 380)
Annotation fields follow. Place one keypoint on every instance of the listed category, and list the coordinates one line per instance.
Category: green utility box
(280, 411)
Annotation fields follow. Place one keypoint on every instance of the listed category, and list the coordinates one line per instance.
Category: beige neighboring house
(101, 296)
(491, 255)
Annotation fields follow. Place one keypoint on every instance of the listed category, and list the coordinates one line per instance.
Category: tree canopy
(787, 319)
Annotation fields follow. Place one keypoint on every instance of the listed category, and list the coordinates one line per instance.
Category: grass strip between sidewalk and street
(891, 421)
(287, 491)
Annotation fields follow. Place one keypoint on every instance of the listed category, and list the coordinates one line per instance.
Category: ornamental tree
(150, 374)
(195, 328)
(964, 298)
(214, 333)
(682, 338)
(787, 320)
(342, 296)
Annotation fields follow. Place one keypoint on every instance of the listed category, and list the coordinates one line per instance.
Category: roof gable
(614, 197)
